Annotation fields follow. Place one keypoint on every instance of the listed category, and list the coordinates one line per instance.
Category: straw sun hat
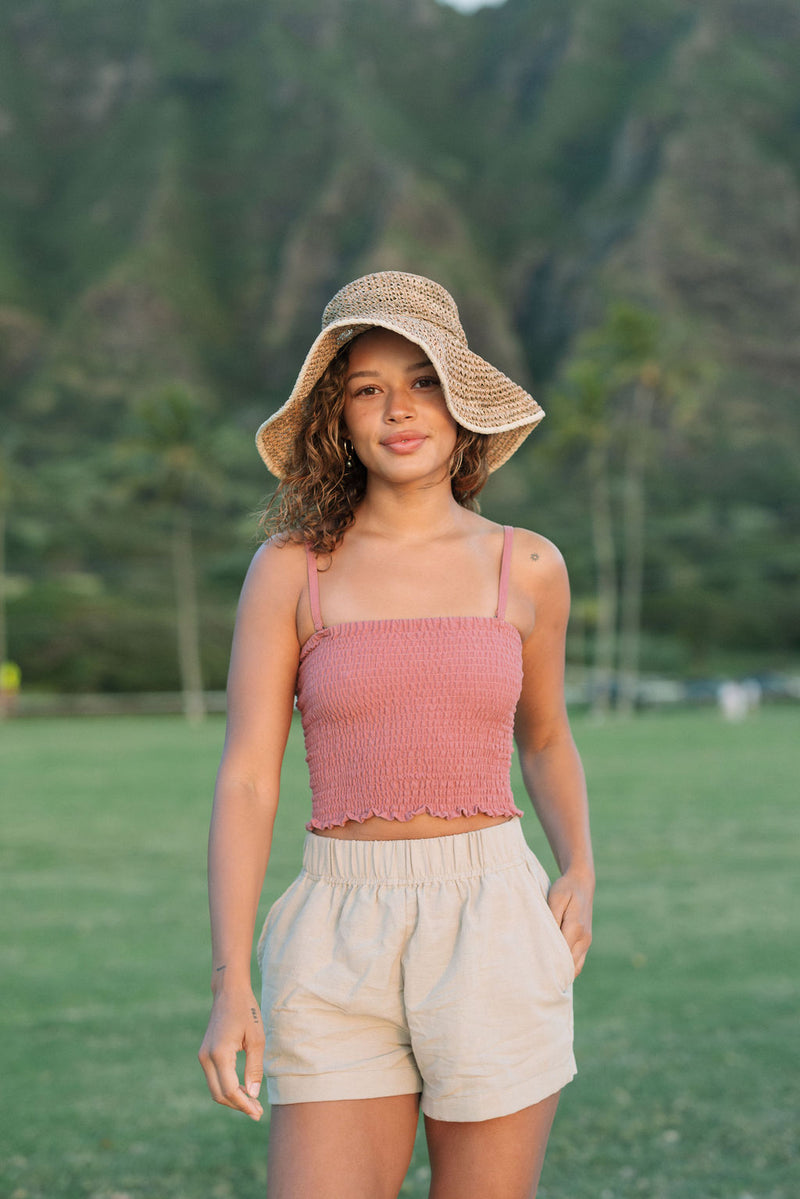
(479, 396)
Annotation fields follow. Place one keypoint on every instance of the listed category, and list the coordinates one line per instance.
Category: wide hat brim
(478, 396)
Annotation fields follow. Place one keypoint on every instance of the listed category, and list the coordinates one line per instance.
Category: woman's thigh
(490, 1159)
(341, 1149)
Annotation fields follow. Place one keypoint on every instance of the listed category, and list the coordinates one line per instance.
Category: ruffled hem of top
(404, 816)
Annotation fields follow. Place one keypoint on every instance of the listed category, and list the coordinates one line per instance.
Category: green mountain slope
(183, 186)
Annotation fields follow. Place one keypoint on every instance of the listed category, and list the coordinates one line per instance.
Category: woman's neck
(416, 513)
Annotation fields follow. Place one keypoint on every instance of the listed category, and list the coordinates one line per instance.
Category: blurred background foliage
(611, 190)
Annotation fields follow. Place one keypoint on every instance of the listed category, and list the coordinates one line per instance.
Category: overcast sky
(471, 5)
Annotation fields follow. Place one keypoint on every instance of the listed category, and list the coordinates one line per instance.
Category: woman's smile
(404, 443)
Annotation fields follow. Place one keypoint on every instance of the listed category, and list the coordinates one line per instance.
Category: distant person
(738, 700)
(421, 958)
(732, 699)
(10, 680)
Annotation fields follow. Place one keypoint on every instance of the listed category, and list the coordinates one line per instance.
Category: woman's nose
(399, 404)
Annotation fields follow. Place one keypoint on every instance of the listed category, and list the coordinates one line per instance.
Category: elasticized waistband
(424, 859)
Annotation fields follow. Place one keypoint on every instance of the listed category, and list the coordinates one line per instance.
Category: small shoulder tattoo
(534, 557)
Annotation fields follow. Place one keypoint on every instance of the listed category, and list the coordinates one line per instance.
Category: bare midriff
(375, 828)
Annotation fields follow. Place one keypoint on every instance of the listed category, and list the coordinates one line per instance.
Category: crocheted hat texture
(479, 396)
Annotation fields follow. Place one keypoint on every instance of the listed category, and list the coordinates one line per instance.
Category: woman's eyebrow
(359, 374)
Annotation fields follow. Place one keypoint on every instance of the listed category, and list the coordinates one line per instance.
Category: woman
(419, 959)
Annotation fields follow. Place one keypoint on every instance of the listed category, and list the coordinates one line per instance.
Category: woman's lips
(405, 445)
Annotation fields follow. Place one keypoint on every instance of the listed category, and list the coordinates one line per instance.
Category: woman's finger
(219, 1067)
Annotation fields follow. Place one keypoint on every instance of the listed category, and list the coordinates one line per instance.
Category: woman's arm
(551, 767)
(261, 685)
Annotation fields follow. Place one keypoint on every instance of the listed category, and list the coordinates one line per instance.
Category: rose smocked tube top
(410, 715)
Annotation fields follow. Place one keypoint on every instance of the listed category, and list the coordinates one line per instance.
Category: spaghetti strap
(313, 589)
(505, 569)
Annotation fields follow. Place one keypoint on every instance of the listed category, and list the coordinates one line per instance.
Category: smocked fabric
(412, 715)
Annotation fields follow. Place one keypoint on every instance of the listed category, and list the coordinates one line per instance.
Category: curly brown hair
(316, 500)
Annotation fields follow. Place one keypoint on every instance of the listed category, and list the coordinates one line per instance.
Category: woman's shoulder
(537, 562)
(535, 547)
(532, 555)
(278, 567)
(281, 550)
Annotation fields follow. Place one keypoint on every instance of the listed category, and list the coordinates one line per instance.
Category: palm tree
(631, 336)
(584, 425)
(171, 467)
(612, 384)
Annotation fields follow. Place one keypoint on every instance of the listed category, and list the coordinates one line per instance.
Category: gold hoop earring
(347, 446)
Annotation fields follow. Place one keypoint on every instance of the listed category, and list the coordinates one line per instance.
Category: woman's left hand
(570, 900)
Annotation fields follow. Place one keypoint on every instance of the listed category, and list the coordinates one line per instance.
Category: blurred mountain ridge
(185, 185)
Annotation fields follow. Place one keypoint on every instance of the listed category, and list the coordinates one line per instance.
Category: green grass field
(686, 1015)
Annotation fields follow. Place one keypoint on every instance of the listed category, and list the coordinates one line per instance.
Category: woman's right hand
(234, 1027)
(261, 686)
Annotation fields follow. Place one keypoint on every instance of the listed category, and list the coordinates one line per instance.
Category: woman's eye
(427, 381)
(369, 390)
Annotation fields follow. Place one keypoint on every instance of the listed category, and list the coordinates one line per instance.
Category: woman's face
(394, 409)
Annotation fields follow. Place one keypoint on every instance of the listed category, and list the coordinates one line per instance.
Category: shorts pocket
(540, 877)
(270, 920)
(263, 935)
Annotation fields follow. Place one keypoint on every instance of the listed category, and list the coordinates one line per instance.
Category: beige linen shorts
(431, 965)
